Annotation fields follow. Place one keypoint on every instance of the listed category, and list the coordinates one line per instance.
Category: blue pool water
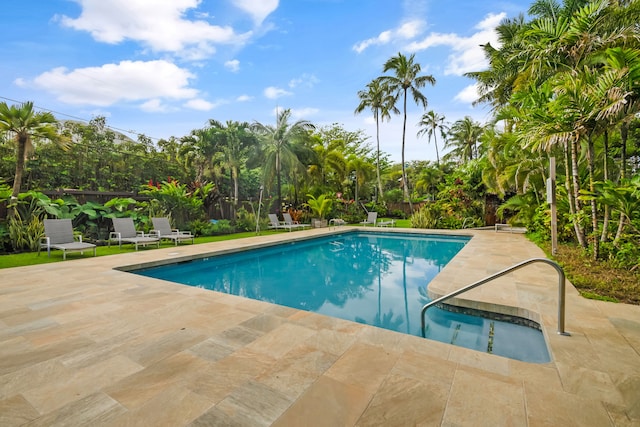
(375, 278)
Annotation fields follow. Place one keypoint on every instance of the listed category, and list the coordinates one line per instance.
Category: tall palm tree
(431, 122)
(382, 103)
(277, 149)
(25, 124)
(463, 137)
(406, 79)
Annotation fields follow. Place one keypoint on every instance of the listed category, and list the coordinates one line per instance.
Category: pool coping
(85, 343)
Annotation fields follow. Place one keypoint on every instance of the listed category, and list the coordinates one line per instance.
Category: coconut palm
(277, 150)
(405, 80)
(430, 123)
(381, 103)
(26, 125)
(463, 138)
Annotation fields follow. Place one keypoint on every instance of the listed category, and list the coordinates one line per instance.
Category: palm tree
(496, 84)
(360, 170)
(197, 151)
(463, 137)
(233, 141)
(25, 125)
(405, 80)
(329, 167)
(277, 150)
(430, 123)
(382, 104)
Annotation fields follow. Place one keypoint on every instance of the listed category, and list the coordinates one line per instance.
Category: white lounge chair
(124, 231)
(274, 222)
(289, 222)
(372, 217)
(162, 229)
(58, 234)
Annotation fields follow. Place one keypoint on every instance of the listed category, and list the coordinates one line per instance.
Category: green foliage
(208, 228)
(428, 216)
(320, 206)
(393, 196)
(25, 235)
(396, 213)
(347, 210)
(378, 206)
(183, 204)
(222, 226)
(245, 220)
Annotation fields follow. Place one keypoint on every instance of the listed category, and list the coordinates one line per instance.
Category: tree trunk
(592, 189)
(380, 191)
(17, 180)
(576, 193)
(605, 171)
(278, 182)
(405, 181)
(234, 176)
(624, 133)
(567, 181)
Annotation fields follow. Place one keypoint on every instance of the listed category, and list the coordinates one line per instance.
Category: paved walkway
(84, 344)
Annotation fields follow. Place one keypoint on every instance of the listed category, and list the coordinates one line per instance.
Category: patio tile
(105, 347)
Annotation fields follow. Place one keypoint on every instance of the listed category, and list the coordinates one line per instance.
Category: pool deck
(84, 344)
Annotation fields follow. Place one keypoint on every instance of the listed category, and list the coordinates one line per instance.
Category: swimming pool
(375, 278)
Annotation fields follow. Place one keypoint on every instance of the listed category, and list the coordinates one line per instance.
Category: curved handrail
(561, 290)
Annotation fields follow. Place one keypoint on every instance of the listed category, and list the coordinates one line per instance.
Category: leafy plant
(320, 206)
(183, 204)
(245, 220)
(25, 235)
(427, 216)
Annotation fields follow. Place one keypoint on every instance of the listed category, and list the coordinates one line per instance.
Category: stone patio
(82, 343)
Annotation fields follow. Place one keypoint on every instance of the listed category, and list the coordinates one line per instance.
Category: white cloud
(405, 31)
(232, 65)
(273, 92)
(161, 26)
(200, 104)
(244, 98)
(467, 53)
(303, 113)
(468, 95)
(258, 9)
(305, 80)
(125, 81)
(153, 106)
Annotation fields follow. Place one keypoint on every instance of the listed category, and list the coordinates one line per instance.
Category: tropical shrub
(208, 228)
(428, 216)
(320, 206)
(394, 196)
(184, 205)
(25, 235)
(245, 220)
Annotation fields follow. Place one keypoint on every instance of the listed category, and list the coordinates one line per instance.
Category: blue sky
(163, 68)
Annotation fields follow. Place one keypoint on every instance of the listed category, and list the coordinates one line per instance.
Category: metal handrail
(561, 291)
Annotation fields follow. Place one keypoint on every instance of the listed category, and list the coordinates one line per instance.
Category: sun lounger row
(58, 234)
(287, 224)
